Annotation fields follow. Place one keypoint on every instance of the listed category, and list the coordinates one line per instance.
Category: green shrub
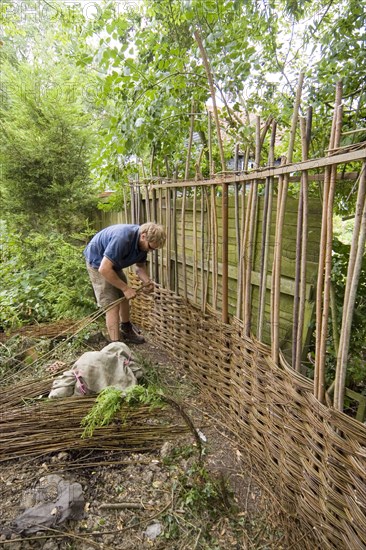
(43, 278)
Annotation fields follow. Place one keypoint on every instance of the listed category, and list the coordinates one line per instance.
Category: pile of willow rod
(51, 426)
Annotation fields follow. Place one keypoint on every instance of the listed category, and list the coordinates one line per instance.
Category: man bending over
(107, 254)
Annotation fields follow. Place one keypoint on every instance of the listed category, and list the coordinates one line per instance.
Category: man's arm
(107, 271)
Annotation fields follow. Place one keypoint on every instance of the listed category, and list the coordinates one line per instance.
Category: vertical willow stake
(244, 249)
(132, 203)
(208, 246)
(138, 202)
(169, 236)
(328, 263)
(148, 210)
(320, 278)
(210, 79)
(275, 246)
(225, 190)
(225, 253)
(124, 203)
(202, 247)
(240, 276)
(236, 202)
(184, 199)
(214, 240)
(168, 202)
(195, 255)
(148, 218)
(353, 276)
(239, 290)
(190, 140)
(155, 253)
(160, 251)
(322, 292)
(209, 139)
(305, 140)
(279, 230)
(251, 239)
(299, 234)
(267, 215)
(155, 214)
(207, 253)
(183, 226)
(175, 240)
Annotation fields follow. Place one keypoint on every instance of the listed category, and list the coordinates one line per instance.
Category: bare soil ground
(155, 500)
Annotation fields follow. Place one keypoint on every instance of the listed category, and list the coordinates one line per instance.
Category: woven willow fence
(245, 269)
(311, 457)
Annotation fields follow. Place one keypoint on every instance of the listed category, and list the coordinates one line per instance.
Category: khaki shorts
(105, 293)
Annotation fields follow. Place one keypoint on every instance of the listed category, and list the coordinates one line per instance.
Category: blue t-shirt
(119, 243)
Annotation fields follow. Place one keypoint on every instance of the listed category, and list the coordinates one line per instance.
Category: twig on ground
(248, 489)
(122, 506)
(197, 539)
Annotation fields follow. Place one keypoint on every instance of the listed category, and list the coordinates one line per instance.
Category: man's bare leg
(112, 322)
(124, 311)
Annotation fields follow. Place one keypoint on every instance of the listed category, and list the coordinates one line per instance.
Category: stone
(50, 545)
(153, 530)
(166, 449)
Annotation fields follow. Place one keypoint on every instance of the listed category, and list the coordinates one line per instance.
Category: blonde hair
(155, 233)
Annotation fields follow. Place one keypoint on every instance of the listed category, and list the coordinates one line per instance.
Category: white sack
(113, 366)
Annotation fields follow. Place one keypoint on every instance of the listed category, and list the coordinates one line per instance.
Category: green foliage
(151, 70)
(43, 154)
(43, 278)
(146, 70)
(46, 124)
(140, 395)
(204, 491)
(201, 495)
(109, 403)
(115, 202)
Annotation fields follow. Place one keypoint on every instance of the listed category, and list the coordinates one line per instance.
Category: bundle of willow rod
(54, 426)
(32, 388)
(49, 330)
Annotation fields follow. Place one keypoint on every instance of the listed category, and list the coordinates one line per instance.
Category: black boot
(129, 333)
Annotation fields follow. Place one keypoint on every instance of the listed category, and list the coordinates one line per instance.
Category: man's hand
(148, 288)
(129, 293)
(144, 278)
